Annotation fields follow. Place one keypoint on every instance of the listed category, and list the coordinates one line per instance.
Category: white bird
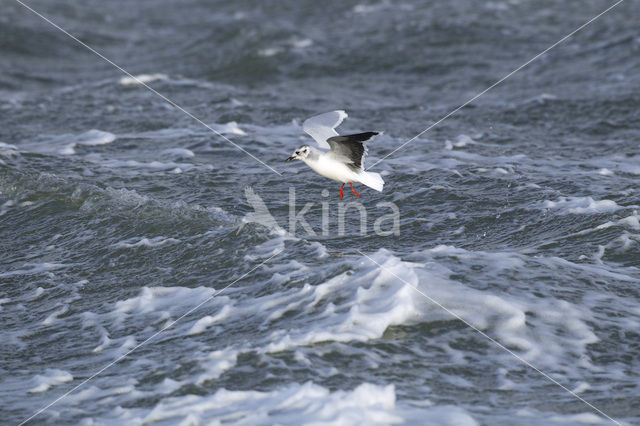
(344, 160)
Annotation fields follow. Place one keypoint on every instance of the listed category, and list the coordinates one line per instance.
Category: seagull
(344, 160)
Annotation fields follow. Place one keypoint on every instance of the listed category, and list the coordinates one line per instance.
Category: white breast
(333, 169)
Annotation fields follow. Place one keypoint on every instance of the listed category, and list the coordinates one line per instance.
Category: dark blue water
(119, 213)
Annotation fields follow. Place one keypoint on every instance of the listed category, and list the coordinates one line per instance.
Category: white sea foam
(605, 172)
(270, 51)
(230, 128)
(580, 205)
(141, 78)
(8, 150)
(53, 316)
(530, 416)
(292, 45)
(161, 300)
(303, 404)
(135, 164)
(301, 43)
(50, 378)
(632, 221)
(364, 313)
(627, 241)
(146, 242)
(460, 142)
(363, 305)
(92, 137)
(3, 301)
(207, 321)
(66, 144)
(215, 363)
(95, 137)
(360, 305)
(35, 268)
(172, 133)
(615, 165)
(542, 98)
(157, 306)
(127, 197)
(382, 6)
(629, 223)
(178, 153)
(121, 390)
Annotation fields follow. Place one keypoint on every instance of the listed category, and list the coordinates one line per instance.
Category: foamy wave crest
(146, 242)
(581, 205)
(301, 404)
(141, 79)
(51, 377)
(66, 144)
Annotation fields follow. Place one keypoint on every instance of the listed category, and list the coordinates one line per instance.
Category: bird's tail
(372, 180)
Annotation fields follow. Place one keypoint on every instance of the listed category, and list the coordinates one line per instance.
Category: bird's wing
(322, 127)
(350, 148)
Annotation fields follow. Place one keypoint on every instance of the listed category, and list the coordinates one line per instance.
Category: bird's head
(300, 153)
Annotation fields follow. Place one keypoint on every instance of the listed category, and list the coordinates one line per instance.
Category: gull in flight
(344, 160)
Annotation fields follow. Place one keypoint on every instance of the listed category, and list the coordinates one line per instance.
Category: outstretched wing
(322, 127)
(350, 148)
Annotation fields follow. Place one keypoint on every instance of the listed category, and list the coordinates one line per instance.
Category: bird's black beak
(290, 158)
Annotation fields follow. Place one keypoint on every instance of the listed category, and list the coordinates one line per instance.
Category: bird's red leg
(341, 195)
(354, 191)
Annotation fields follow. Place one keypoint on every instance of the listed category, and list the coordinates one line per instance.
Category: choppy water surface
(119, 213)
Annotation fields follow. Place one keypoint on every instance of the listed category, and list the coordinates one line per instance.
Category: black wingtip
(372, 134)
(358, 137)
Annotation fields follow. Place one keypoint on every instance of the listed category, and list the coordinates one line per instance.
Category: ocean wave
(581, 205)
(141, 79)
(66, 144)
(305, 403)
(145, 242)
(50, 378)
